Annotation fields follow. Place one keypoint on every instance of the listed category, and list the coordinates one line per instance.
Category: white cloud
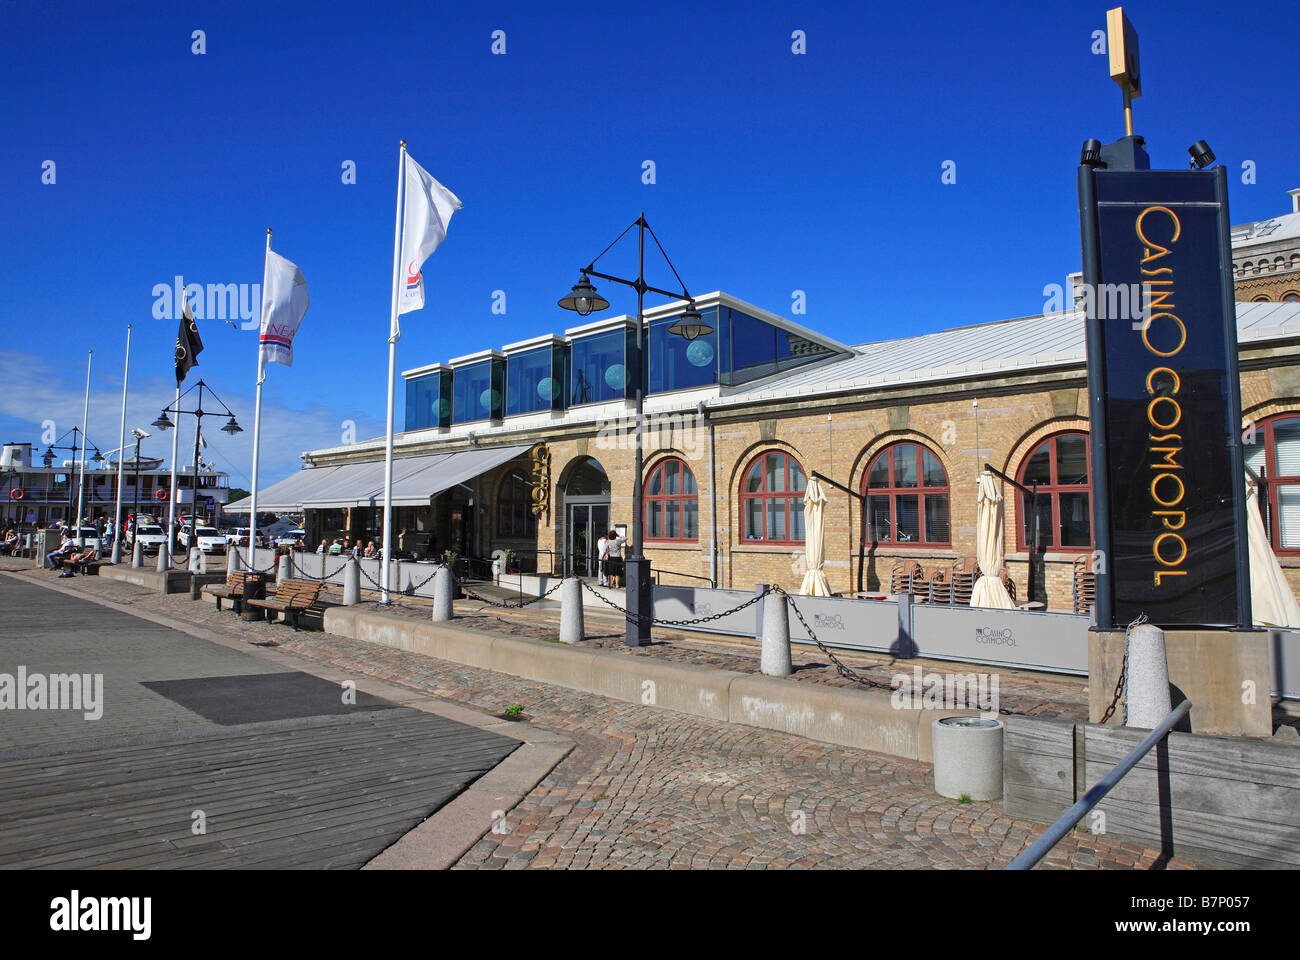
(35, 389)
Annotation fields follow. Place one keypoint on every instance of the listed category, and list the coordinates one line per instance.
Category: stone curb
(866, 720)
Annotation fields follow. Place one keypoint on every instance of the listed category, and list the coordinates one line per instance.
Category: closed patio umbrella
(1272, 604)
(989, 590)
(814, 507)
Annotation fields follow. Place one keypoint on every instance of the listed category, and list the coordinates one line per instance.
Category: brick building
(530, 448)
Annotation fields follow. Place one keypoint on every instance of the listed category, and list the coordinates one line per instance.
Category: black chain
(252, 569)
(324, 576)
(635, 618)
(507, 604)
(1123, 673)
(848, 673)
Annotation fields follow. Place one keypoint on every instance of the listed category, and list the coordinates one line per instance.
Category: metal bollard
(572, 627)
(351, 583)
(1146, 687)
(444, 587)
(137, 555)
(775, 659)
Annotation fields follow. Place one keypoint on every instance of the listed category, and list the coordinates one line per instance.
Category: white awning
(287, 494)
(415, 481)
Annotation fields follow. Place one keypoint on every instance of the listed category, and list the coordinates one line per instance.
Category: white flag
(426, 214)
(284, 301)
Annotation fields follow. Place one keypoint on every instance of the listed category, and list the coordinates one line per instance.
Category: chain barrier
(324, 576)
(1123, 674)
(508, 605)
(845, 671)
(669, 623)
(252, 569)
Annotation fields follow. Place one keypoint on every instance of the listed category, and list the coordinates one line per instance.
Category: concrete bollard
(232, 561)
(444, 588)
(282, 569)
(775, 660)
(967, 757)
(116, 556)
(1146, 687)
(572, 627)
(164, 559)
(496, 570)
(137, 555)
(351, 582)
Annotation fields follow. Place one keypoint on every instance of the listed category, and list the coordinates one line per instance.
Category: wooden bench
(232, 589)
(291, 599)
(84, 562)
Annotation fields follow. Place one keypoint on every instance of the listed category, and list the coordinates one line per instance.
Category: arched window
(1062, 469)
(515, 518)
(771, 499)
(1273, 452)
(1291, 296)
(672, 508)
(907, 497)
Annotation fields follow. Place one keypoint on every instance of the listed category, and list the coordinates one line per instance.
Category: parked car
(89, 534)
(152, 537)
(208, 538)
(294, 537)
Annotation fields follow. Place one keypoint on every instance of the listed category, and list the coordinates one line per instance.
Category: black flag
(188, 343)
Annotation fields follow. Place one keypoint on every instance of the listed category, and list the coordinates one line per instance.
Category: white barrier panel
(692, 603)
(844, 622)
(1284, 657)
(1039, 641)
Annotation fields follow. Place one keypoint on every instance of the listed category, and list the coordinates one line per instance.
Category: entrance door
(588, 522)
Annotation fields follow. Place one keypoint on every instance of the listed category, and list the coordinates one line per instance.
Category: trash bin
(967, 757)
(254, 589)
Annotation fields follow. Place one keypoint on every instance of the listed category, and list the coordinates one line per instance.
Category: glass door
(588, 522)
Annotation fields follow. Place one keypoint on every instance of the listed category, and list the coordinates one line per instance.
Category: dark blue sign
(1168, 477)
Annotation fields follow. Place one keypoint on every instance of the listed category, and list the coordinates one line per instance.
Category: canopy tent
(1272, 604)
(989, 589)
(814, 508)
(415, 481)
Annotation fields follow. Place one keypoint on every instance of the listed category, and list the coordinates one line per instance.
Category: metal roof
(1006, 346)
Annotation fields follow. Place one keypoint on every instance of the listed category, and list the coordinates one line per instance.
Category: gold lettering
(1181, 490)
(1155, 550)
(1182, 334)
(1151, 244)
(1169, 573)
(1166, 514)
(1151, 413)
(1168, 461)
(1178, 383)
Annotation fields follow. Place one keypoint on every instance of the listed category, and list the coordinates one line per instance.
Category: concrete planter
(967, 757)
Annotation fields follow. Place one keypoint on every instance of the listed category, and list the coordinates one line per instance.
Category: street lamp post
(583, 300)
(78, 439)
(163, 423)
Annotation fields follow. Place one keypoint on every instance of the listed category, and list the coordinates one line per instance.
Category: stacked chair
(1084, 585)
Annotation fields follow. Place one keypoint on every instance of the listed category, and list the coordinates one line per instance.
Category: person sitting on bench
(66, 549)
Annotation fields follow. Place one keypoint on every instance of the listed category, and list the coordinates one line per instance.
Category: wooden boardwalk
(315, 793)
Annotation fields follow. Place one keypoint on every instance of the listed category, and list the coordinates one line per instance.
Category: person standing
(614, 562)
(602, 554)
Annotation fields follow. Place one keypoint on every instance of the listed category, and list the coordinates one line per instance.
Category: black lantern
(584, 299)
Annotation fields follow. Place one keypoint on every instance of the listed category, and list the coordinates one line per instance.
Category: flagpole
(393, 336)
(176, 436)
(81, 482)
(257, 414)
(121, 448)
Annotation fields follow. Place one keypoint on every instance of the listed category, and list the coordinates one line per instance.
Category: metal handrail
(677, 573)
(1054, 834)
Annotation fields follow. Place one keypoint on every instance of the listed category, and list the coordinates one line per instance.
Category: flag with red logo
(426, 214)
(284, 302)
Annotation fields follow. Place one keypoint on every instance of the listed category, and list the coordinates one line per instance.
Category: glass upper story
(599, 367)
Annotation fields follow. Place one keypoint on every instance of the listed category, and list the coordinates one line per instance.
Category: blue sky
(774, 172)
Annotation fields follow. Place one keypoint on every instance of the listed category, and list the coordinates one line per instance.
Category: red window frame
(765, 495)
(921, 491)
(660, 501)
(1269, 505)
(508, 505)
(1053, 491)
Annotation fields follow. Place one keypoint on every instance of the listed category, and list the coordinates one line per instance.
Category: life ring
(160, 494)
(15, 493)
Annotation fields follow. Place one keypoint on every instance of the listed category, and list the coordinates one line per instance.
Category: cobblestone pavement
(651, 788)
